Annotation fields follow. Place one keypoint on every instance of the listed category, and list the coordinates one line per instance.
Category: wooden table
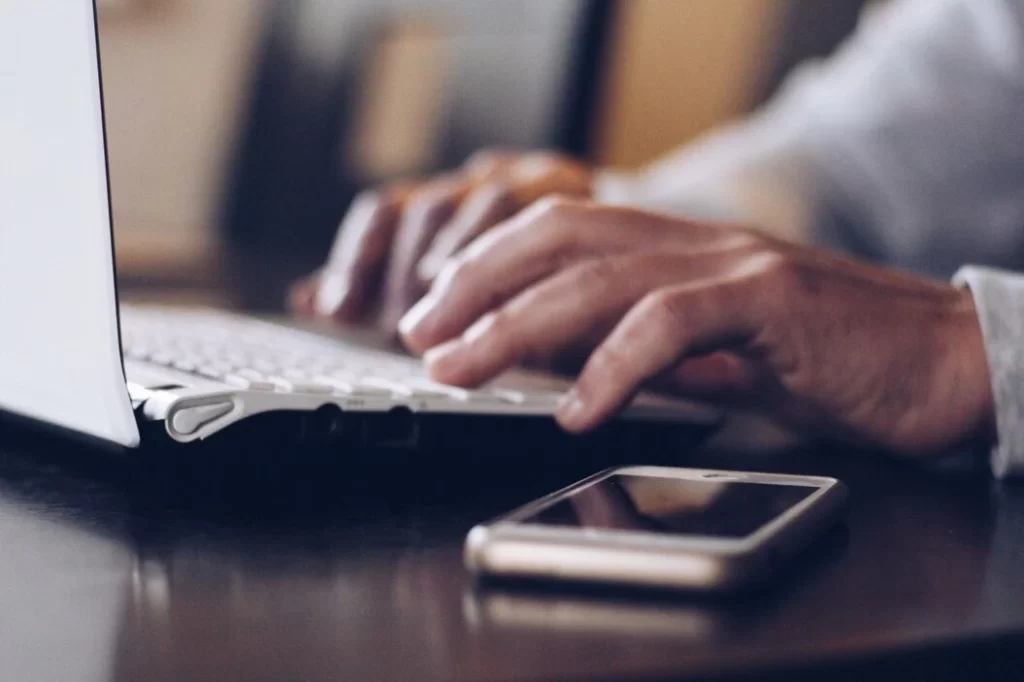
(300, 569)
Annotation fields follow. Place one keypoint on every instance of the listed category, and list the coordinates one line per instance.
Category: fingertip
(414, 326)
(429, 268)
(574, 413)
(331, 296)
(339, 298)
(445, 363)
(301, 296)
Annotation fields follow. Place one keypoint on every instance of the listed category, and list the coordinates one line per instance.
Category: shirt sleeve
(904, 147)
(999, 298)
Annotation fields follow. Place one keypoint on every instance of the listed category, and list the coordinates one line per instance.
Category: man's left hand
(714, 312)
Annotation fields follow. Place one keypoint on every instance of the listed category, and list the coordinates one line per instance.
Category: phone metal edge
(620, 557)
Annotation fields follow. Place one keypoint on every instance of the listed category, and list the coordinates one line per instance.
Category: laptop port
(397, 428)
(326, 422)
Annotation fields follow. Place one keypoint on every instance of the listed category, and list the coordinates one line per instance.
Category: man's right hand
(395, 240)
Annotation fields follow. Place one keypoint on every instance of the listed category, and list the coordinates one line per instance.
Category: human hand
(718, 313)
(393, 240)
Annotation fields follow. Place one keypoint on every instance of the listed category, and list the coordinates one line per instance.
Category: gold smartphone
(660, 527)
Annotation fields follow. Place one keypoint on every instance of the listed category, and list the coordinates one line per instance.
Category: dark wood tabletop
(114, 569)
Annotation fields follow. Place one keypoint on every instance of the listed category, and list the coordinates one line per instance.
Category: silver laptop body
(195, 371)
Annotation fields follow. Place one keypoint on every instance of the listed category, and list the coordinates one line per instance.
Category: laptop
(70, 356)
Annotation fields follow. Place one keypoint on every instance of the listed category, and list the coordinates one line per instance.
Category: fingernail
(425, 272)
(429, 268)
(330, 295)
(415, 319)
(571, 408)
(439, 358)
(479, 328)
(438, 269)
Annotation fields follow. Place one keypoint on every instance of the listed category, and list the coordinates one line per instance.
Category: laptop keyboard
(252, 355)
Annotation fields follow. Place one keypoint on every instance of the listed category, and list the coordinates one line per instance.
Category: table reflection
(116, 576)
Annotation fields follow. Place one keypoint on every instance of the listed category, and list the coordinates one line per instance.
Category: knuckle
(378, 199)
(539, 216)
(485, 158)
(597, 276)
(550, 224)
(559, 213)
(537, 167)
(663, 309)
(497, 194)
(742, 240)
(552, 207)
(771, 263)
(484, 246)
(769, 280)
(432, 206)
(487, 162)
(561, 207)
(496, 326)
(461, 274)
(772, 270)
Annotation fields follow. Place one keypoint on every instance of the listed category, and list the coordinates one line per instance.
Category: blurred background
(239, 130)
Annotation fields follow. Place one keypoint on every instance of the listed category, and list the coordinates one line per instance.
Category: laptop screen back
(60, 358)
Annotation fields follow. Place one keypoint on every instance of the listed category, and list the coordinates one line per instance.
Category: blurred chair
(810, 29)
(350, 93)
(354, 92)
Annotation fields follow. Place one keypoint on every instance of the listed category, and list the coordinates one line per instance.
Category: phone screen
(674, 506)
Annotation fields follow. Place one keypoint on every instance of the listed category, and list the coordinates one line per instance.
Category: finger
(302, 296)
(356, 263)
(504, 193)
(581, 302)
(657, 334)
(487, 164)
(485, 207)
(426, 211)
(545, 238)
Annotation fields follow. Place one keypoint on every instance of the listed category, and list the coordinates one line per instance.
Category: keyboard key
(427, 388)
(542, 399)
(264, 366)
(187, 364)
(286, 385)
(352, 388)
(389, 385)
(137, 351)
(508, 395)
(161, 358)
(215, 370)
(257, 356)
(247, 383)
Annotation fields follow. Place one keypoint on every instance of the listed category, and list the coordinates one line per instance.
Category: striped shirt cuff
(999, 298)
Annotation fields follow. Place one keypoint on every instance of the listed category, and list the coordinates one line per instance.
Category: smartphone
(660, 527)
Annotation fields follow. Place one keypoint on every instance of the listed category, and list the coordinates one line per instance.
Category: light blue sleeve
(906, 147)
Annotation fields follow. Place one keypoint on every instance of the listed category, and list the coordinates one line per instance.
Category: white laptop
(64, 358)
